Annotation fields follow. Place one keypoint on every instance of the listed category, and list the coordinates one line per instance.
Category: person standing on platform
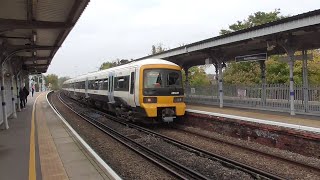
(26, 94)
(32, 90)
(22, 99)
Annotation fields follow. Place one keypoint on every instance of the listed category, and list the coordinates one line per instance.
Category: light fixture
(35, 53)
(34, 62)
(34, 37)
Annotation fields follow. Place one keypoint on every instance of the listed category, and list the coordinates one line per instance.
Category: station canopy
(300, 32)
(31, 31)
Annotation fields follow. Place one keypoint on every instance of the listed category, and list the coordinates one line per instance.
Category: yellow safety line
(32, 159)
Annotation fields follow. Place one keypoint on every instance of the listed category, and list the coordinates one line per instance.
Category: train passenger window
(121, 83)
(96, 85)
(105, 84)
(100, 84)
(132, 83)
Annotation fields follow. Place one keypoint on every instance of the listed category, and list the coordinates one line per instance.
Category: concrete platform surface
(38, 145)
(299, 120)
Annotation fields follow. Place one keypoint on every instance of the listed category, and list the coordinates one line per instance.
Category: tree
(113, 63)
(53, 80)
(155, 49)
(277, 72)
(61, 80)
(256, 19)
(197, 76)
(249, 72)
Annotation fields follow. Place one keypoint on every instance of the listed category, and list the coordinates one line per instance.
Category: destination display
(251, 57)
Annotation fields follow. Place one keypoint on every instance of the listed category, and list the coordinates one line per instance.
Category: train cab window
(173, 79)
(152, 78)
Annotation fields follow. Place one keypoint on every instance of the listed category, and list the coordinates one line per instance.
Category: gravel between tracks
(125, 162)
(277, 167)
(210, 168)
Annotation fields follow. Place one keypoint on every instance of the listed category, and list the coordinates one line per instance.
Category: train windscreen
(162, 82)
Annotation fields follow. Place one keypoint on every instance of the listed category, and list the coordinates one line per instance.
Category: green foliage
(107, 65)
(245, 73)
(155, 49)
(197, 76)
(114, 63)
(52, 79)
(277, 72)
(256, 19)
(61, 80)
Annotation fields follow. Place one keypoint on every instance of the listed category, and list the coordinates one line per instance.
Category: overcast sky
(126, 29)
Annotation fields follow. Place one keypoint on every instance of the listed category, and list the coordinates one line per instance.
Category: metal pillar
(4, 109)
(14, 112)
(217, 75)
(291, 64)
(220, 85)
(305, 80)
(18, 88)
(263, 82)
(38, 84)
(187, 87)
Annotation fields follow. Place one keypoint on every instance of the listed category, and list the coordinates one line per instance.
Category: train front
(161, 91)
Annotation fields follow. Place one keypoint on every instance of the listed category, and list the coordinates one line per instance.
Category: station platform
(39, 145)
(301, 122)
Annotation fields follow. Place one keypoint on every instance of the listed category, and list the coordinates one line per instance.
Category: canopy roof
(32, 31)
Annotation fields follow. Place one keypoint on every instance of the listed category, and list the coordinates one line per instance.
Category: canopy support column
(305, 81)
(291, 64)
(263, 82)
(14, 112)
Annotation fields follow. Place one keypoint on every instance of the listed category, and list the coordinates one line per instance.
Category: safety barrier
(275, 97)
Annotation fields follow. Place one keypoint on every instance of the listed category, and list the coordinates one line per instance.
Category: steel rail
(124, 140)
(255, 172)
(307, 166)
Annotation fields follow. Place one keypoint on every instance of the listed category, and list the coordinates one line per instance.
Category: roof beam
(37, 58)
(14, 37)
(31, 47)
(36, 65)
(23, 24)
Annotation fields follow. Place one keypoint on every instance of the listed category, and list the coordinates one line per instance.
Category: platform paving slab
(304, 120)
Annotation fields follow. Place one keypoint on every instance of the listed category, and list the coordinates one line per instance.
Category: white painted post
(291, 63)
(4, 109)
(263, 79)
(14, 112)
(18, 88)
(220, 85)
(305, 80)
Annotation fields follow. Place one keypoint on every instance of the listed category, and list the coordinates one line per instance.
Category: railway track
(176, 169)
(278, 157)
(168, 164)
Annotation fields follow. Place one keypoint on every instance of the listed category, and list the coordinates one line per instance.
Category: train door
(110, 87)
(86, 85)
(131, 95)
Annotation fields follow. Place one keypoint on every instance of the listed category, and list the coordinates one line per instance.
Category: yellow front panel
(162, 101)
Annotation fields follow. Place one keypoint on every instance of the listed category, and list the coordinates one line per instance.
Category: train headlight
(150, 99)
(177, 99)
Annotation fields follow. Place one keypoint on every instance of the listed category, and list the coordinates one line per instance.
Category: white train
(143, 90)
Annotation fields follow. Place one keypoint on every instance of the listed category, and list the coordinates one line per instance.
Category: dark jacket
(26, 92)
(22, 95)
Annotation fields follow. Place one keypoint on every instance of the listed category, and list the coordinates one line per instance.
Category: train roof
(130, 64)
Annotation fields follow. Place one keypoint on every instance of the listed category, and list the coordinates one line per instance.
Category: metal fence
(276, 97)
